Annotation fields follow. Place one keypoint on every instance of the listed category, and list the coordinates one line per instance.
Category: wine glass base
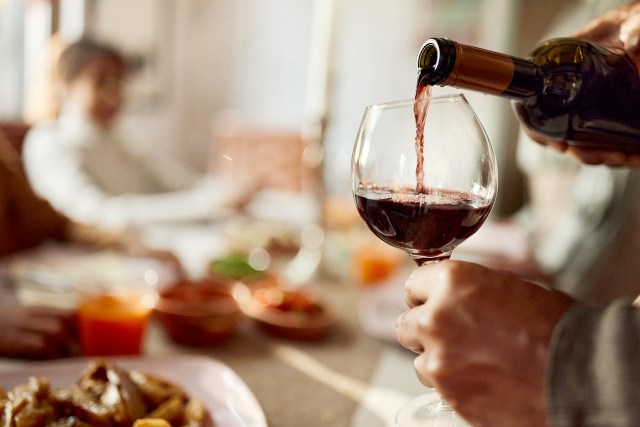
(428, 410)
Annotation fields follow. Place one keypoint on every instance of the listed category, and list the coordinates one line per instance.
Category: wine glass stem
(444, 406)
(422, 260)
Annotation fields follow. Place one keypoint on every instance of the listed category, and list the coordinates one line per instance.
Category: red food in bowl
(287, 300)
(289, 313)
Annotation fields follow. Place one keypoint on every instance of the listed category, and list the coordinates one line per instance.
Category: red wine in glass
(428, 224)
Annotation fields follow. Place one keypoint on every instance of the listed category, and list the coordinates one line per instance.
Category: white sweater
(93, 176)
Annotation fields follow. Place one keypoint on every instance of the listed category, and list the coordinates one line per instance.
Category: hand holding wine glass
(463, 325)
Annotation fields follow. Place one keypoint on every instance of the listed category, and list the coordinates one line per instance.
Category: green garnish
(234, 266)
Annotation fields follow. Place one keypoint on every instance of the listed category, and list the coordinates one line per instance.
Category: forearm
(96, 237)
(594, 368)
(124, 242)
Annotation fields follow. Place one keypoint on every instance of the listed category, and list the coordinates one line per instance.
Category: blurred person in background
(506, 352)
(86, 163)
(27, 221)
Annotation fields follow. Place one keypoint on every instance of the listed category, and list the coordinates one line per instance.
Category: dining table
(355, 376)
(350, 377)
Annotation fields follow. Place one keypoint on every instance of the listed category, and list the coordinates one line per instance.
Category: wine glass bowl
(425, 212)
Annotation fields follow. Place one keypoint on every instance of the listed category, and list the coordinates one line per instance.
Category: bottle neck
(444, 62)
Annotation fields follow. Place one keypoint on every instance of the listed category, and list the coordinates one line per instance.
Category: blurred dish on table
(374, 262)
(198, 312)
(379, 308)
(289, 312)
(225, 396)
(54, 274)
(268, 244)
(283, 229)
(104, 394)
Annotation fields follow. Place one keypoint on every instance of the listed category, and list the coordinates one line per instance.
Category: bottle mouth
(429, 55)
(436, 59)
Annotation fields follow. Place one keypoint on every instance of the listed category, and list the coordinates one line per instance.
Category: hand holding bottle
(610, 158)
(616, 29)
(573, 94)
(477, 329)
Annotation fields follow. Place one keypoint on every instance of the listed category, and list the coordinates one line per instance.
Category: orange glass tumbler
(112, 324)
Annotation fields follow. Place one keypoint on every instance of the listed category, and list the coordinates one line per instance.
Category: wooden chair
(14, 132)
(275, 156)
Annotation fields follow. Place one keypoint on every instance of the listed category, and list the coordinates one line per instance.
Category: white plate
(50, 275)
(78, 265)
(379, 308)
(225, 395)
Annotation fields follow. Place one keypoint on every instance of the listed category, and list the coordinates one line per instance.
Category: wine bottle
(568, 89)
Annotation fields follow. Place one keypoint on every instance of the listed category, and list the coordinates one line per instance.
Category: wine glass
(424, 198)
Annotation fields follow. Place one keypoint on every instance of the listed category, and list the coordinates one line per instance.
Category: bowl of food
(198, 312)
(283, 310)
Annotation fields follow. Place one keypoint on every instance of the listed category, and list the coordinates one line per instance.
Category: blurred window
(27, 49)
(11, 57)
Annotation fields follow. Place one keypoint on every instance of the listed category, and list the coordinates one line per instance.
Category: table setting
(355, 374)
(315, 375)
(346, 370)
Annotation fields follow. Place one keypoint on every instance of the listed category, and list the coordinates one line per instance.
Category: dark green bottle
(568, 89)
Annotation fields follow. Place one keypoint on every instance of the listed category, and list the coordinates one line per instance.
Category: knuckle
(427, 324)
(434, 366)
(453, 276)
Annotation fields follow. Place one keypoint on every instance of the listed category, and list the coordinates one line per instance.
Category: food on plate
(292, 300)
(289, 312)
(151, 422)
(104, 396)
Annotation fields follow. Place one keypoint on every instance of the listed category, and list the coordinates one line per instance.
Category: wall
(250, 57)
